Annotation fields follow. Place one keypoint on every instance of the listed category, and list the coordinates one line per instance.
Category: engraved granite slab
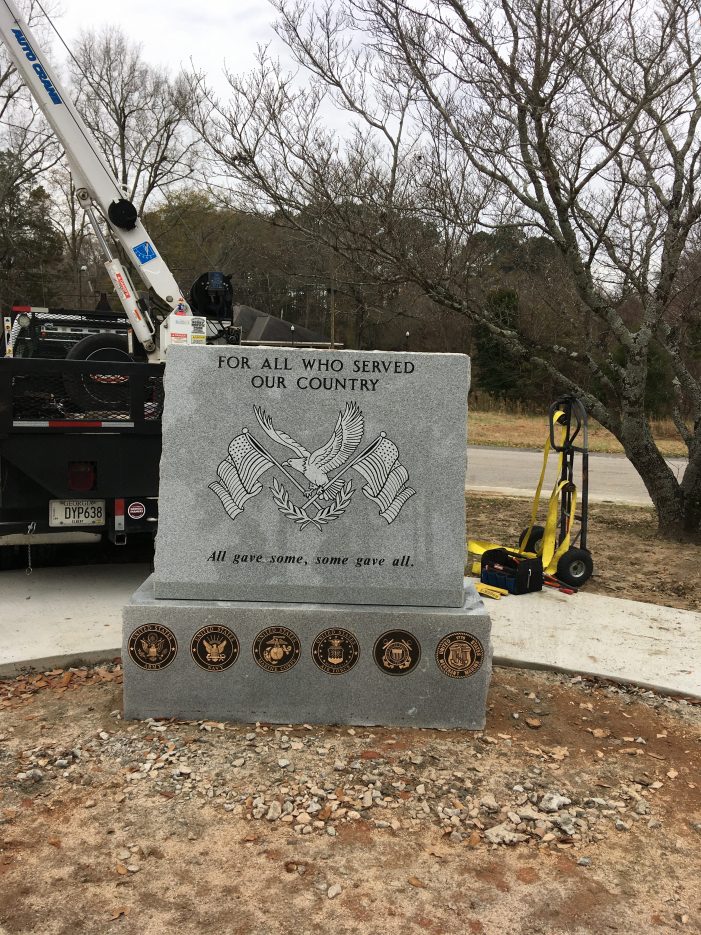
(307, 663)
(313, 476)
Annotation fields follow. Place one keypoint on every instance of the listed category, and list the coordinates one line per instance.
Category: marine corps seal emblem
(276, 649)
(459, 655)
(152, 646)
(335, 651)
(214, 648)
(397, 652)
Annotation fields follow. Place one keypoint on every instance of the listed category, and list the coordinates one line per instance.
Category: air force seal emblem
(335, 651)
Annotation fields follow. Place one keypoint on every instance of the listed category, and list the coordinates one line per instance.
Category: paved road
(515, 471)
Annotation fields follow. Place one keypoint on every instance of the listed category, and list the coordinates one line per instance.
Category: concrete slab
(64, 616)
(627, 641)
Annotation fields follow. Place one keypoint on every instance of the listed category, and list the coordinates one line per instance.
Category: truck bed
(76, 437)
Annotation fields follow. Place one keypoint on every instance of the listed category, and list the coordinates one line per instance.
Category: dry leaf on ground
(416, 882)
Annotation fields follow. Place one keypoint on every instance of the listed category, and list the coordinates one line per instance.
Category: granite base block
(388, 682)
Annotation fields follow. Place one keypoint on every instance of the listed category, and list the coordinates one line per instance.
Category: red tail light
(82, 476)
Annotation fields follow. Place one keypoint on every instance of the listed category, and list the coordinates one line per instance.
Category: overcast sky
(173, 31)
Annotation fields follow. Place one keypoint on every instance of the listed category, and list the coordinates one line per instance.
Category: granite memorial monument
(311, 544)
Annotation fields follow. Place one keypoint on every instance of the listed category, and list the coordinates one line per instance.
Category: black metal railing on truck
(76, 395)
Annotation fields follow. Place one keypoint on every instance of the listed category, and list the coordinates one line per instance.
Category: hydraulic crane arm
(96, 186)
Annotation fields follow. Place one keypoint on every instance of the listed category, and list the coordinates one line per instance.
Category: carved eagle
(317, 465)
(152, 648)
(215, 651)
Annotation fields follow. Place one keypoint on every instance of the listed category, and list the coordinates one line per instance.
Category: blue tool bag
(518, 574)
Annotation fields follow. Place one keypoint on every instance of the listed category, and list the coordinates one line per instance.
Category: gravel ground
(558, 818)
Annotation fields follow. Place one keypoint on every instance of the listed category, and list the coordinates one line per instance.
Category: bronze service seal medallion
(335, 651)
(459, 655)
(152, 646)
(214, 648)
(276, 649)
(397, 652)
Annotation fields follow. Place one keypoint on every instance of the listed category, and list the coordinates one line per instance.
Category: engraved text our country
(320, 365)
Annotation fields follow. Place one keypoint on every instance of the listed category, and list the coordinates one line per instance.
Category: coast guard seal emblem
(397, 652)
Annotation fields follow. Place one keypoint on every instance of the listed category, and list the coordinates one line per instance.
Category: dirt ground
(147, 828)
(629, 559)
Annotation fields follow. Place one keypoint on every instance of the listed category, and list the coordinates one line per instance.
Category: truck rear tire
(90, 391)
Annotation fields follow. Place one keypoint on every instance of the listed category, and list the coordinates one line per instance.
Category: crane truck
(80, 433)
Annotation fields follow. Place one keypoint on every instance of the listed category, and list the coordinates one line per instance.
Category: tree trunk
(677, 502)
(691, 487)
(360, 313)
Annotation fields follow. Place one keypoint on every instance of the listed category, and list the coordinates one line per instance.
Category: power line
(18, 126)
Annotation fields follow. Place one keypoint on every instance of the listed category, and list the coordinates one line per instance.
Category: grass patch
(522, 430)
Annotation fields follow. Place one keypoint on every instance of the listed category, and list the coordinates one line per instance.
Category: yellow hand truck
(565, 554)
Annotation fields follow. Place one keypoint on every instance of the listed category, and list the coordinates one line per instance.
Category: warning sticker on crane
(144, 252)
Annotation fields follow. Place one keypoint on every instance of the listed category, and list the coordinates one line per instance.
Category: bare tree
(11, 86)
(72, 224)
(23, 130)
(577, 120)
(136, 113)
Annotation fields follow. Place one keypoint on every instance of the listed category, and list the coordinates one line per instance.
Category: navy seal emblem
(214, 648)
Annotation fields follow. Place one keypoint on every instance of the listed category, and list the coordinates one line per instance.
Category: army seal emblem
(214, 648)
(459, 655)
(397, 652)
(276, 649)
(152, 646)
(335, 651)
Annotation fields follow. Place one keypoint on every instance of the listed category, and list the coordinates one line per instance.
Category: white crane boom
(96, 186)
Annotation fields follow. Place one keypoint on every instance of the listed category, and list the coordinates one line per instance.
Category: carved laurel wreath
(300, 516)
